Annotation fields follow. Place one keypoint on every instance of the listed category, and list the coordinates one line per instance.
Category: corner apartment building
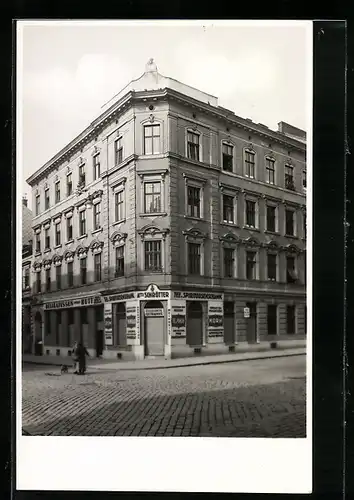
(169, 224)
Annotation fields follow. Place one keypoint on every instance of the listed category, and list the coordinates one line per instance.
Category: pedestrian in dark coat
(82, 353)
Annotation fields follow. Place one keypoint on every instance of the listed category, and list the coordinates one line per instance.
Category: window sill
(273, 280)
(224, 171)
(37, 254)
(226, 223)
(291, 236)
(250, 228)
(118, 222)
(193, 218)
(69, 242)
(82, 237)
(153, 214)
(267, 231)
(249, 177)
(99, 230)
(57, 246)
(116, 276)
(46, 250)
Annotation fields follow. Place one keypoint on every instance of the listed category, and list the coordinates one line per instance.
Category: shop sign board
(108, 327)
(178, 319)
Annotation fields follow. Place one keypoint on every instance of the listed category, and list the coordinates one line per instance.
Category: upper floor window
(96, 216)
(271, 218)
(119, 205)
(83, 271)
(46, 199)
(194, 258)
(69, 229)
(38, 203)
(118, 151)
(251, 265)
(152, 139)
(152, 197)
(97, 266)
(193, 201)
(26, 278)
(229, 262)
(82, 175)
(289, 177)
(119, 261)
(96, 167)
(250, 213)
(69, 184)
(82, 222)
(47, 280)
(39, 282)
(291, 276)
(289, 222)
(193, 146)
(153, 260)
(304, 221)
(47, 238)
(304, 182)
(38, 242)
(228, 208)
(270, 170)
(227, 157)
(57, 234)
(58, 277)
(250, 164)
(57, 192)
(70, 270)
(272, 266)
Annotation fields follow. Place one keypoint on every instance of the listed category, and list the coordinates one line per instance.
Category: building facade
(168, 225)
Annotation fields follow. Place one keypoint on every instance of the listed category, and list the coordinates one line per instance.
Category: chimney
(24, 200)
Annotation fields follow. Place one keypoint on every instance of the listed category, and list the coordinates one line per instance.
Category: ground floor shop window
(290, 320)
(272, 320)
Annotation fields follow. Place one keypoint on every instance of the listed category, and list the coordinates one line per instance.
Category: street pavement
(258, 398)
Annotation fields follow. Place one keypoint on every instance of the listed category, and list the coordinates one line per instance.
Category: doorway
(154, 320)
(229, 323)
(194, 323)
(120, 338)
(99, 343)
(252, 323)
(38, 343)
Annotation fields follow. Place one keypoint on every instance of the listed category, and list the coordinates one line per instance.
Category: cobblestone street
(260, 398)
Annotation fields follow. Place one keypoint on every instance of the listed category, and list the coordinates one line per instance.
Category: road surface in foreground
(260, 398)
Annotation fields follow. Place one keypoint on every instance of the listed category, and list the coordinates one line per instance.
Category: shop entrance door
(154, 321)
(252, 323)
(194, 324)
(229, 323)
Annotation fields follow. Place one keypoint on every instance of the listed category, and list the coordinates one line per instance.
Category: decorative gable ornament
(47, 264)
(195, 233)
(37, 266)
(229, 238)
(57, 260)
(251, 242)
(69, 256)
(118, 238)
(152, 231)
(151, 118)
(82, 252)
(96, 247)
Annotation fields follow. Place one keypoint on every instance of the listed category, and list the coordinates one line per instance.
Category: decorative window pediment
(57, 260)
(69, 256)
(96, 151)
(229, 238)
(194, 233)
(291, 248)
(118, 238)
(82, 252)
(96, 246)
(47, 263)
(152, 231)
(96, 196)
(37, 229)
(251, 242)
(272, 245)
(46, 223)
(37, 266)
(69, 212)
(57, 218)
(81, 161)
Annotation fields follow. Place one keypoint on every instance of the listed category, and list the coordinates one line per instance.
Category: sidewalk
(243, 353)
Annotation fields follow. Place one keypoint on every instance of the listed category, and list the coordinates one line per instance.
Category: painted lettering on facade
(81, 302)
(215, 319)
(119, 297)
(197, 296)
(132, 323)
(108, 327)
(178, 319)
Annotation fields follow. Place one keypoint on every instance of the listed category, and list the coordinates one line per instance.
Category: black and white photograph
(164, 188)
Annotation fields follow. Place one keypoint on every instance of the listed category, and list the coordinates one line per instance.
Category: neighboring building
(27, 235)
(165, 224)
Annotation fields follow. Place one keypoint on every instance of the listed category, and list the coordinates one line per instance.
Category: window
(290, 320)
(229, 262)
(82, 175)
(193, 146)
(270, 171)
(70, 316)
(38, 242)
(304, 221)
(228, 208)
(38, 283)
(97, 266)
(304, 181)
(47, 322)
(57, 234)
(69, 184)
(83, 271)
(82, 222)
(289, 177)
(47, 280)
(289, 222)
(291, 276)
(152, 197)
(46, 199)
(96, 167)
(152, 255)
(83, 316)
(99, 313)
(58, 277)
(193, 201)
(250, 265)
(70, 273)
(118, 151)
(194, 258)
(119, 205)
(47, 238)
(250, 213)
(227, 157)
(271, 211)
(249, 164)
(26, 281)
(152, 139)
(272, 266)
(69, 229)
(38, 203)
(272, 319)
(119, 261)
(96, 216)
(57, 192)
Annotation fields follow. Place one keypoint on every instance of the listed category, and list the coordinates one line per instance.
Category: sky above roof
(69, 71)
